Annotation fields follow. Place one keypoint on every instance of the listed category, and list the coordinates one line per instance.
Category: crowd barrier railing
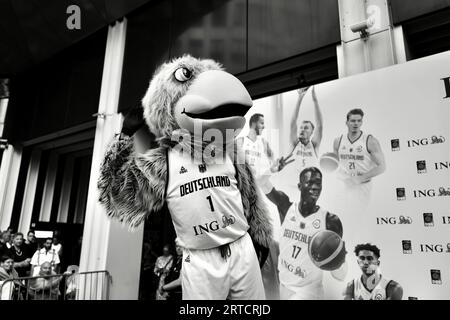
(90, 285)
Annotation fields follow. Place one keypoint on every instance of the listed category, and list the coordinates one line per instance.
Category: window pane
(284, 28)
(216, 31)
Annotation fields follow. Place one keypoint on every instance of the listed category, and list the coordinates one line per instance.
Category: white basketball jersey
(204, 202)
(378, 293)
(294, 264)
(255, 155)
(305, 156)
(354, 157)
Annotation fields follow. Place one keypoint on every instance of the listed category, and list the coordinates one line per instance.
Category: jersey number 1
(210, 203)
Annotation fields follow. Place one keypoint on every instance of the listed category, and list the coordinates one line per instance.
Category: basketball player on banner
(371, 285)
(310, 241)
(360, 160)
(256, 149)
(304, 140)
(260, 157)
(258, 153)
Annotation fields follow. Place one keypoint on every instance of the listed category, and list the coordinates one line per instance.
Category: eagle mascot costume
(194, 110)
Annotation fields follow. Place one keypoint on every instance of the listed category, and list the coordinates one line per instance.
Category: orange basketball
(327, 250)
(329, 162)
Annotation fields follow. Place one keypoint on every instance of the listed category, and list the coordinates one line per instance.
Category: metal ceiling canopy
(34, 30)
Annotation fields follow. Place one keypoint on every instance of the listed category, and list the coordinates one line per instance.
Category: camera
(362, 27)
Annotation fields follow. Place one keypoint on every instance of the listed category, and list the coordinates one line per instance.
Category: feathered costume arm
(255, 211)
(132, 185)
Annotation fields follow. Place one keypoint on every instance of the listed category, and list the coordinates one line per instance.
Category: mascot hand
(134, 125)
(262, 253)
(133, 121)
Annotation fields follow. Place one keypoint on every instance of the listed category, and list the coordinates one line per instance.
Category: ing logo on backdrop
(446, 87)
(418, 142)
(401, 194)
(436, 276)
(407, 246)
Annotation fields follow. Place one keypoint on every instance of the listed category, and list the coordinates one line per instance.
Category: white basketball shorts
(205, 275)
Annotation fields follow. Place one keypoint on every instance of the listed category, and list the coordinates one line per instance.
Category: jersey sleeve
(254, 208)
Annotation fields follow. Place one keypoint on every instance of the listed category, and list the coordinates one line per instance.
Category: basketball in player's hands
(329, 162)
(327, 250)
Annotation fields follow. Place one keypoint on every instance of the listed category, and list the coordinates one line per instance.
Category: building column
(384, 45)
(108, 245)
(9, 174)
(30, 192)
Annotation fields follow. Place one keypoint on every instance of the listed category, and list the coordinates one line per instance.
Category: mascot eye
(183, 74)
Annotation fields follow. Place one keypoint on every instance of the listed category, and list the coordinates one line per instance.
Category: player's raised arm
(394, 291)
(374, 148)
(268, 150)
(316, 139)
(294, 130)
(281, 200)
(336, 145)
(334, 224)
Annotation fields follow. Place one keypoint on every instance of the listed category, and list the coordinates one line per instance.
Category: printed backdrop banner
(406, 210)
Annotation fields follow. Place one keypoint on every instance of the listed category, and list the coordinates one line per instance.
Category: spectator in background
(57, 246)
(162, 267)
(20, 255)
(46, 287)
(71, 282)
(46, 254)
(31, 243)
(172, 286)
(3, 247)
(6, 238)
(7, 272)
(11, 231)
(148, 279)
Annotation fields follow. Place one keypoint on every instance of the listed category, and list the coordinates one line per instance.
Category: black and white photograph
(225, 150)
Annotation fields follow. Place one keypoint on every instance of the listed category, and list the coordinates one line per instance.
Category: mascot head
(194, 94)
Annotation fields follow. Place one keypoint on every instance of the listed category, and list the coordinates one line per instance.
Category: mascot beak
(214, 100)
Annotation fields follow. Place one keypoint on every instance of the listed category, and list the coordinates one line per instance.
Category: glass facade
(281, 29)
(402, 12)
(241, 34)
